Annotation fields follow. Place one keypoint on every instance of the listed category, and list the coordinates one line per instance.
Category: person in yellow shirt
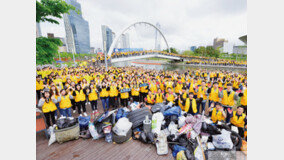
(160, 96)
(189, 104)
(64, 101)
(80, 99)
(239, 119)
(39, 87)
(243, 96)
(201, 96)
(47, 103)
(150, 98)
(124, 94)
(113, 95)
(92, 93)
(135, 92)
(217, 112)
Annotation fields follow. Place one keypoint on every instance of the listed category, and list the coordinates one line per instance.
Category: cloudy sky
(184, 23)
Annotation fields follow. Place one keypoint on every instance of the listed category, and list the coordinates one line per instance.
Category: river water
(177, 67)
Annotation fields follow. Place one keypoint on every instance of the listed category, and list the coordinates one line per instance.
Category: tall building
(219, 43)
(158, 38)
(107, 38)
(124, 41)
(38, 30)
(77, 30)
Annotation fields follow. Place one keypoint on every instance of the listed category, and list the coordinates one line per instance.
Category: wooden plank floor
(96, 149)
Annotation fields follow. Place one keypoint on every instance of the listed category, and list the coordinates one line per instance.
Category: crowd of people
(217, 62)
(197, 60)
(63, 91)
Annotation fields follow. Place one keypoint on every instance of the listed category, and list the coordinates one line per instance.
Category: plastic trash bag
(122, 126)
(189, 155)
(52, 138)
(93, 131)
(162, 144)
(150, 137)
(84, 122)
(176, 149)
(173, 111)
(173, 128)
(181, 155)
(181, 121)
(108, 137)
(223, 140)
(62, 123)
(157, 120)
(190, 119)
(198, 153)
(133, 106)
(143, 137)
(121, 113)
(157, 107)
(184, 130)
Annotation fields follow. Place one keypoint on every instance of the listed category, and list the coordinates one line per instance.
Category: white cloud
(183, 22)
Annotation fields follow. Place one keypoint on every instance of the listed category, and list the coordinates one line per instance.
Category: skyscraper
(219, 43)
(77, 30)
(124, 41)
(107, 37)
(158, 38)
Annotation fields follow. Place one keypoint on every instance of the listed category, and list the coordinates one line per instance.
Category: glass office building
(107, 37)
(77, 30)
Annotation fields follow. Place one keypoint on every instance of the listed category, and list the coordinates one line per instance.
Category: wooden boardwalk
(96, 149)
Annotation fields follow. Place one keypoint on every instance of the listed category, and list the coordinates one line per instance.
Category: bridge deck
(121, 59)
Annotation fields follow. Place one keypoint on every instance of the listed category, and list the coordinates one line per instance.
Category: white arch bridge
(140, 56)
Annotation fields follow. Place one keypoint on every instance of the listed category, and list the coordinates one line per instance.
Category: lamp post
(105, 54)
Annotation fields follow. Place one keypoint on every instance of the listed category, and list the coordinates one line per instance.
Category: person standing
(48, 107)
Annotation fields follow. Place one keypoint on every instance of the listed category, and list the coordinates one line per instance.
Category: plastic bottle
(147, 125)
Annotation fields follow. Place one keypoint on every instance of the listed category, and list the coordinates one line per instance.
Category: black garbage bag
(204, 126)
(62, 123)
(157, 107)
(72, 122)
(189, 155)
(183, 140)
(237, 140)
(150, 137)
(223, 126)
(143, 137)
(99, 127)
(174, 118)
(211, 129)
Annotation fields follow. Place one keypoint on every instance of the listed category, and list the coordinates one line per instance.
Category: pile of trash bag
(164, 126)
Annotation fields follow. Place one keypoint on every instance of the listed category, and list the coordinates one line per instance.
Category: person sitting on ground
(239, 119)
(189, 104)
(217, 113)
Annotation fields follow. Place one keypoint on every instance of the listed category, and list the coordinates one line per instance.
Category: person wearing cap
(217, 113)
(189, 104)
(48, 107)
(228, 100)
(239, 119)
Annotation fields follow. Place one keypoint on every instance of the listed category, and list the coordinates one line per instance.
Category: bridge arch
(117, 37)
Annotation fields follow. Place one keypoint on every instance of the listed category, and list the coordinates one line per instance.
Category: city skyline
(182, 27)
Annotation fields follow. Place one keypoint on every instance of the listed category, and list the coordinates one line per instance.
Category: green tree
(188, 53)
(172, 50)
(46, 11)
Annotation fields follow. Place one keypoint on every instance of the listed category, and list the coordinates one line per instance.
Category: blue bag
(84, 121)
(176, 149)
(176, 110)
